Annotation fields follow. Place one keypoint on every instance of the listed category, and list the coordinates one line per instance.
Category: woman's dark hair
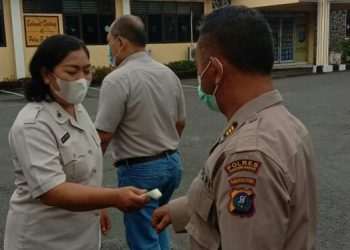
(49, 54)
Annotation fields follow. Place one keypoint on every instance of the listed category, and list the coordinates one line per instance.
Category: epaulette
(31, 112)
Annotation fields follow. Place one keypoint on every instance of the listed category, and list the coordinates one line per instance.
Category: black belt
(144, 159)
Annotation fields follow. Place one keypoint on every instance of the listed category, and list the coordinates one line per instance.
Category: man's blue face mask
(111, 58)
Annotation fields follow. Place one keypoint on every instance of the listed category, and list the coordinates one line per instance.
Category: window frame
(99, 13)
(80, 23)
(101, 40)
(2, 24)
(41, 8)
(144, 15)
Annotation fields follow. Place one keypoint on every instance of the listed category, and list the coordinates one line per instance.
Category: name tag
(65, 137)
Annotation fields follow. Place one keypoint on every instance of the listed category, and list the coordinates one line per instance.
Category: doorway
(283, 38)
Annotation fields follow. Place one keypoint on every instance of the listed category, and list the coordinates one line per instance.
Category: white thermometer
(154, 194)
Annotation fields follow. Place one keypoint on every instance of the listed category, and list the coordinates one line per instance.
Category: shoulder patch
(242, 165)
(242, 181)
(242, 202)
(31, 113)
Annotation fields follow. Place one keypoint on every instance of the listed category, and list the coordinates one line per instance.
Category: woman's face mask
(72, 92)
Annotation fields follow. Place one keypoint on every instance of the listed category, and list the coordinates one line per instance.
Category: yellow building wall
(7, 62)
(262, 3)
(98, 55)
(119, 7)
(208, 7)
(170, 52)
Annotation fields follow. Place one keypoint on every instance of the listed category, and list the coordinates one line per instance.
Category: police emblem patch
(242, 202)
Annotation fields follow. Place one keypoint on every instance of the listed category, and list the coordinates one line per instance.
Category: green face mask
(208, 100)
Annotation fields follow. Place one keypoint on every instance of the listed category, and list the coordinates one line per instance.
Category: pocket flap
(70, 154)
(201, 203)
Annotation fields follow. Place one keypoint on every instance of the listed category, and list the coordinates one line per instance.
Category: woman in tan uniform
(57, 158)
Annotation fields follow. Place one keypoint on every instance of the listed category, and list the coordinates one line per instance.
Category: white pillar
(17, 37)
(323, 10)
(126, 7)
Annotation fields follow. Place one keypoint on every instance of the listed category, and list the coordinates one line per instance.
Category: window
(86, 19)
(184, 28)
(154, 28)
(2, 26)
(42, 6)
(169, 21)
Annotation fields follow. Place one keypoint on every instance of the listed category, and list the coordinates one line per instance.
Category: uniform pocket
(74, 161)
(202, 226)
(201, 200)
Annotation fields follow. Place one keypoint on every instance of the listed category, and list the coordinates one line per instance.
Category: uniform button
(97, 214)
(90, 151)
(94, 170)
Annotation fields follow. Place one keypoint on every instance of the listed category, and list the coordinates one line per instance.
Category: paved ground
(320, 101)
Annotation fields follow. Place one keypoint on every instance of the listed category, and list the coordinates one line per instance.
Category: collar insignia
(230, 130)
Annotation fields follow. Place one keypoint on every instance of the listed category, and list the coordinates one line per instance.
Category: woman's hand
(105, 222)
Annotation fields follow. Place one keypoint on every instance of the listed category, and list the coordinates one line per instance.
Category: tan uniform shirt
(49, 147)
(257, 188)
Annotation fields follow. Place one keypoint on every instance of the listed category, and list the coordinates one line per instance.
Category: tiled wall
(337, 28)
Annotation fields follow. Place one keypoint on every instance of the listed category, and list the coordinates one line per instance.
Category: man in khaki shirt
(141, 113)
(257, 189)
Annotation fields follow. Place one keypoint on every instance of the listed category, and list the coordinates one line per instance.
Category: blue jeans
(164, 174)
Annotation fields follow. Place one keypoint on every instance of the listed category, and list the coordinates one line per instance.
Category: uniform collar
(61, 116)
(250, 110)
(132, 57)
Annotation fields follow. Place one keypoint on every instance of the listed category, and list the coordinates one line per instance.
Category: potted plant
(335, 53)
(346, 50)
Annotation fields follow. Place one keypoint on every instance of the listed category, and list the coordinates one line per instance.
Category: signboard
(38, 28)
(301, 46)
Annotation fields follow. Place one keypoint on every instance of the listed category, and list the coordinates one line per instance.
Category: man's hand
(161, 219)
(131, 199)
(105, 139)
(105, 222)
